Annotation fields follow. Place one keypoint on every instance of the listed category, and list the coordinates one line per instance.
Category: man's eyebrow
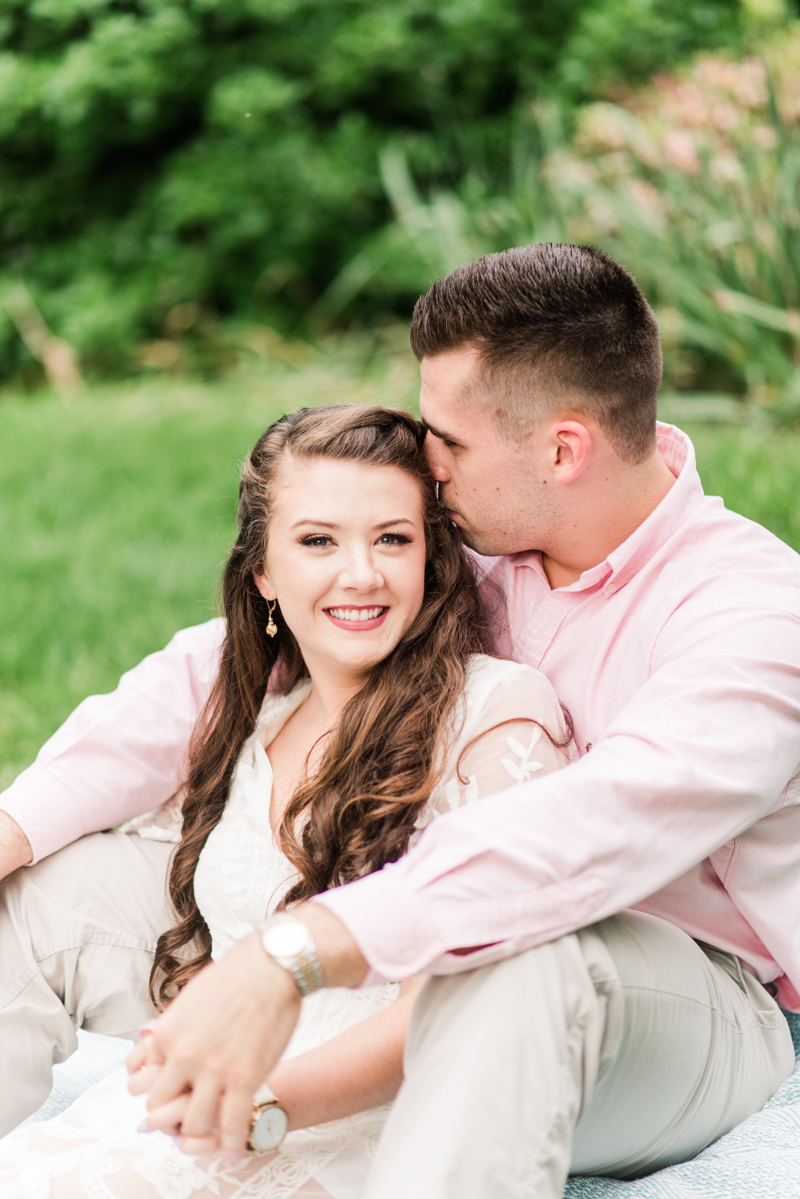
(438, 432)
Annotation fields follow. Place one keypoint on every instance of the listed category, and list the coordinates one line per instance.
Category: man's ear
(262, 582)
(572, 448)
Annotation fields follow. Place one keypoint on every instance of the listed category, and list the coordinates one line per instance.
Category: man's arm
(116, 756)
(704, 750)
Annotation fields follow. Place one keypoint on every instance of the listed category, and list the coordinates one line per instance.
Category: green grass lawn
(116, 513)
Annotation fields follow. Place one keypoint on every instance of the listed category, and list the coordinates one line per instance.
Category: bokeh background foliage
(175, 173)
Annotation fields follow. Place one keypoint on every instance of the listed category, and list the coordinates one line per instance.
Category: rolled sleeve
(118, 755)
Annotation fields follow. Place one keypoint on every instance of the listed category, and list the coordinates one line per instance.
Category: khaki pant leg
(77, 936)
(616, 1050)
(704, 1047)
(498, 1061)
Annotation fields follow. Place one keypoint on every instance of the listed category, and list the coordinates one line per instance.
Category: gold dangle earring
(272, 628)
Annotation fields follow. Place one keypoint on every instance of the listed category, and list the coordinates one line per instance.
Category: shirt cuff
(48, 812)
(395, 930)
(392, 926)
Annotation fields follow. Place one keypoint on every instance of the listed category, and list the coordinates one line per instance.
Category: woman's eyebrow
(327, 524)
(318, 524)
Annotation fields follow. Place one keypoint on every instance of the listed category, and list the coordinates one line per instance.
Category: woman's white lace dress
(92, 1150)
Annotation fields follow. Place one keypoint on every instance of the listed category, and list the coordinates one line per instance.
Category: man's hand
(221, 1037)
(15, 848)
(219, 1040)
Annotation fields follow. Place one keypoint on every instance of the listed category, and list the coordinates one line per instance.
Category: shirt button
(535, 605)
(509, 949)
(611, 588)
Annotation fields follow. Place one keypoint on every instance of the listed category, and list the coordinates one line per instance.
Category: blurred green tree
(165, 163)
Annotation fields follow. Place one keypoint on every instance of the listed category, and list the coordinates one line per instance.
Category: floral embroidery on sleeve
(525, 770)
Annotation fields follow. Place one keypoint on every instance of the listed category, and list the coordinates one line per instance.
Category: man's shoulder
(729, 552)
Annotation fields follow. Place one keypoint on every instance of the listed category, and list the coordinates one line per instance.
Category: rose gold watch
(269, 1123)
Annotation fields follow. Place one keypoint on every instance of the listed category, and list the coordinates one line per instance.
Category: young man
(570, 1033)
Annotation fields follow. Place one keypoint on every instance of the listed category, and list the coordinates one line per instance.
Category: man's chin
(485, 544)
(480, 544)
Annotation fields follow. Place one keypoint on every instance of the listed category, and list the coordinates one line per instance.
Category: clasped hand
(212, 1049)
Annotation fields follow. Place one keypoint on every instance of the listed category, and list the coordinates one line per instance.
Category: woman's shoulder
(499, 690)
(486, 674)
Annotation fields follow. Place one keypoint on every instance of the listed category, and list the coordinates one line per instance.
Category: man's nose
(433, 452)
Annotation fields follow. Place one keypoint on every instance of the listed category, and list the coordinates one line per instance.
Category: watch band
(267, 1110)
(288, 941)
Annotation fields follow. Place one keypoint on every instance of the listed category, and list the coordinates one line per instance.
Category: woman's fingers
(168, 1118)
(201, 1110)
(137, 1057)
(199, 1146)
(142, 1081)
(236, 1112)
(143, 1052)
(144, 1062)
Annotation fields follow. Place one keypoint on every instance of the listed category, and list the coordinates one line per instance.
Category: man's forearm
(15, 848)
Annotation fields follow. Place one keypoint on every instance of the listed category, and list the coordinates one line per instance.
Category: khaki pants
(77, 936)
(618, 1050)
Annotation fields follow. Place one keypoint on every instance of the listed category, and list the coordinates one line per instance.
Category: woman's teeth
(356, 613)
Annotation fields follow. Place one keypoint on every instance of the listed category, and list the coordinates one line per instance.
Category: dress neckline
(276, 710)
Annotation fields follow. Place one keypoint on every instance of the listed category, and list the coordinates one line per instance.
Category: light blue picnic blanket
(95, 1057)
(758, 1160)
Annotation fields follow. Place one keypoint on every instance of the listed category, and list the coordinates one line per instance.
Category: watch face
(269, 1129)
(286, 938)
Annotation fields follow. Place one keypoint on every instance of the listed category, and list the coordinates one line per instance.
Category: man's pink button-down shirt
(679, 660)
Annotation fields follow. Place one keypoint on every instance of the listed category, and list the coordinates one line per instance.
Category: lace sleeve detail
(510, 740)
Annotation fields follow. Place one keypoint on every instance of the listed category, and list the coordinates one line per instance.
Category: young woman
(355, 702)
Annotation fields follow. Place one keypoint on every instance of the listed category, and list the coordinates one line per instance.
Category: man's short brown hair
(556, 326)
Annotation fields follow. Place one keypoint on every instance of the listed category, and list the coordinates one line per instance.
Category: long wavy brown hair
(383, 759)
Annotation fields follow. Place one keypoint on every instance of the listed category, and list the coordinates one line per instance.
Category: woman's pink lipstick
(357, 626)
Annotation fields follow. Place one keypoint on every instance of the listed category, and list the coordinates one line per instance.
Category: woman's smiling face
(345, 560)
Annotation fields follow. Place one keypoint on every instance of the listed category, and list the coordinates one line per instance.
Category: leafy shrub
(170, 162)
(693, 182)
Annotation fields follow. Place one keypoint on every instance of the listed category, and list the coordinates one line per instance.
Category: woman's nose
(361, 573)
